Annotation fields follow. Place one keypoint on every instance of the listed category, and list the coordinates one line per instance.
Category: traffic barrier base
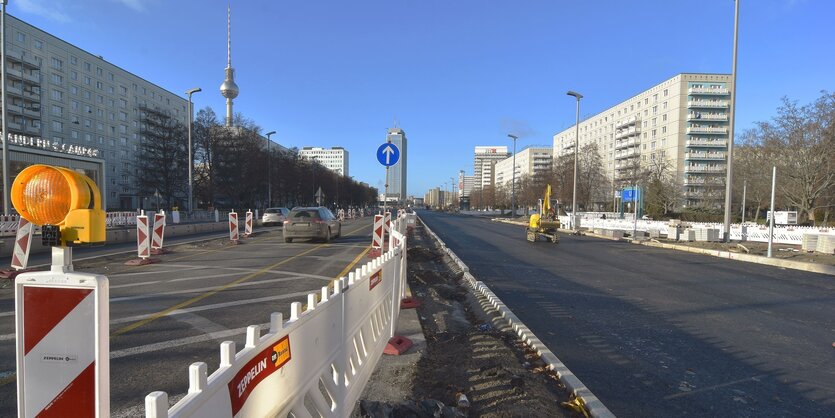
(397, 345)
(160, 251)
(409, 303)
(10, 274)
(142, 261)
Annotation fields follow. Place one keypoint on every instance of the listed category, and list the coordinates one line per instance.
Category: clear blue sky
(455, 74)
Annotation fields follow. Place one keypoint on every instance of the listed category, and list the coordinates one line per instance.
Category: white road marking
(207, 289)
(200, 323)
(142, 349)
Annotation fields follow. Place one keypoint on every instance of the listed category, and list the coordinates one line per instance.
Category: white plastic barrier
(316, 363)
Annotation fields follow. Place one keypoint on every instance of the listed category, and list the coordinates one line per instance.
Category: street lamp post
(269, 172)
(452, 190)
(190, 152)
(577, 96)
(729, 158)
(513, 178)
(3, 104)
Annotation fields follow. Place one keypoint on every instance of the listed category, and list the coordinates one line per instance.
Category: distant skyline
(453, 74)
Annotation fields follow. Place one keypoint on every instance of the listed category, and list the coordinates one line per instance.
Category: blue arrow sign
(388, 154)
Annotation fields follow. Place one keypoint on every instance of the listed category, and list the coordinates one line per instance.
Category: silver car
(274, 216)
(312, 222)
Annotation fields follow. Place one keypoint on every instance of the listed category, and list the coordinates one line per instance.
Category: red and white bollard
(20, 254)
(233, 228)
(158, 235)
(143, 243)
(377, 237)
(248, 224)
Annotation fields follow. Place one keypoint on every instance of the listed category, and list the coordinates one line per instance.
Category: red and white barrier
(143, 242)
(388, 222)
(63, 350)
(377, 237)
(248, 224)
(158, 234)
(233, 227)
(22, 244)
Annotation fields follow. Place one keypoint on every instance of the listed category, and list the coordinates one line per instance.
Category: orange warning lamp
(66, 203)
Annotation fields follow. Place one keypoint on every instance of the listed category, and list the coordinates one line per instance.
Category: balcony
(629, 153)
(626, 143)
(695, 181)
(32, 130)
(32, 76)
(706, 143)
(705, 90)
(14, 90)
(14, 73)
(712, 130)
(628, 121)
(16, 109)
(33, 95)
(34, 112)
(626, 133)
(697, 116)
(712, 156)
(704, 169)
(710, 104)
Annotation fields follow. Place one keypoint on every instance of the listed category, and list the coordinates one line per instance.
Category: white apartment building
(683, 122)
(485, 157)
(530, 161)
(63, 98)
(465, 184)
(334, 159)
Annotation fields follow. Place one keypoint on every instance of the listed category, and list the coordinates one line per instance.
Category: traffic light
(66, 203)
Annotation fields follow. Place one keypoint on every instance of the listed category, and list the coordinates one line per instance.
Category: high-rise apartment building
(75, 109)
(484, 160)
(396, 174)
(679, 125)
(334, 159)
(530, 161)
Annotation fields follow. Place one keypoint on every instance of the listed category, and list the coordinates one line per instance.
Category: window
(57, 95)
(74, 90)
(110, 76)
(88, 109)
(73, 60)
(112, 142)
(74, 134)
(110, 89)
(87, 123)
(123, 129)
(37, 44)
(123, 103)
(99, 71)
(123, 141)
(663, 118)
(663, 129)
(74, 105)
(88, 137)
(665, 92)
(87, 67)
(57, 78)
(86, 94)
(99, 85)
(123, 116)
(57, 64)
(664, 106)
(99, 126)
(57, 126)
(57, 110)
(21, 37)
(73, 75)
(123, 90)
(87, 80)
(100, 99)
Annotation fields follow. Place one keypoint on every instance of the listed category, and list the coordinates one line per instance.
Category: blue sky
(455, 74)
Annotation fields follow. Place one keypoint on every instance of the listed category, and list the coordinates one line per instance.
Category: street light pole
(513, 178)
(6, 189)
(190, 152)
(577, 96)
(269, 172)
(452, 190)
(729, 158)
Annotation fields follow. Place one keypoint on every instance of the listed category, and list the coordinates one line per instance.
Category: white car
(274, 216)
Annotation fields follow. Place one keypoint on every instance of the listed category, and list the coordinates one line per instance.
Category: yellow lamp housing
(48, 195)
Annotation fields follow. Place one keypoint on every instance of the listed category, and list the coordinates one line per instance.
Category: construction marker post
(143, 242)
(233, 227)
(22, 246)
(248, 224)
(377, 237)
(158, 234)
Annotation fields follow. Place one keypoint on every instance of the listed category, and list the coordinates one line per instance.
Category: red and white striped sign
(22, 244)
(233, 226)
(143, 243)
(62, 345)
(377, 235)
(388, 222)
(159, 230)
(248, 223)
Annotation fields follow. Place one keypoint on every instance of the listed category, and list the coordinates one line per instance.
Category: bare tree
(162, 158)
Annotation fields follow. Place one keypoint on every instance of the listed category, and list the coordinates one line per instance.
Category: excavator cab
(545, 223)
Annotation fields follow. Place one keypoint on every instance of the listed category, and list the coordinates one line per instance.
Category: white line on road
(208, 289)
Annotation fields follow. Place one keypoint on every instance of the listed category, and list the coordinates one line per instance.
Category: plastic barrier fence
(314, 364)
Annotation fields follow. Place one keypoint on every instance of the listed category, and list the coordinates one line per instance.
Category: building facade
(484, 161)
(530, 161)
(396, 176)
(334, 159)
(679, 125)
(73, 99)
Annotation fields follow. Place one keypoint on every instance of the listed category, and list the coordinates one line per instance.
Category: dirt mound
(422, 254)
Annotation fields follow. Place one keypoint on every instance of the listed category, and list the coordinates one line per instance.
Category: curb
(748, 258)
(594, 406)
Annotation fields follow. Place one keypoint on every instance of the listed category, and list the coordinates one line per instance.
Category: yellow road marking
(350, 267)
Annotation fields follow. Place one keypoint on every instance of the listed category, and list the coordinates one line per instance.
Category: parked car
(312, 222)
(274, 216)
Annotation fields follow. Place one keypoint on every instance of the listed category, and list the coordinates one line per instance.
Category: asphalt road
(217, 290)
(662, 333)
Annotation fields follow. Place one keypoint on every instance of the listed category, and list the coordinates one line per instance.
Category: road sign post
(388, 155)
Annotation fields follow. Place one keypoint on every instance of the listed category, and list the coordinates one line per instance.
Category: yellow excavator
(545, 223)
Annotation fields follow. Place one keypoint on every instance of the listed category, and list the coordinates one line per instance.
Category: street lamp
(190, 152)
(269, 172)
(513, 181)
(452, 190)
(729, 176)
(577, 96)
(3, 104)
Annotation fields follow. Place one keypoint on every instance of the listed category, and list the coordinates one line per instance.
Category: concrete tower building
(229, 89)
(396, 178)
